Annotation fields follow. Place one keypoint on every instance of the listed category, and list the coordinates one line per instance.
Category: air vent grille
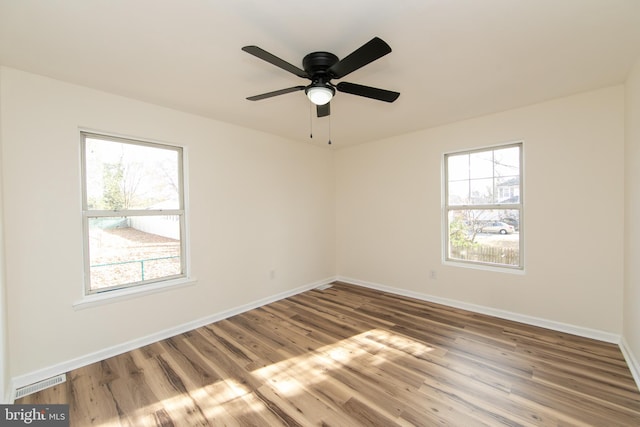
(40, 385)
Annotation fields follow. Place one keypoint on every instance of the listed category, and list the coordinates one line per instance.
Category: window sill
(109, 297)
(485, 267)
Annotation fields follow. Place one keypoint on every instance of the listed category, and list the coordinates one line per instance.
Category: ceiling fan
(322, 67)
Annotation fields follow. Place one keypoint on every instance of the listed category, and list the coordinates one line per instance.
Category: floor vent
(41, 385)
(323, 287)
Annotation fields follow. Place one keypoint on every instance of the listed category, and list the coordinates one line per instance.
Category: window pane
(121, 176)
(481, 191)
(458, 193)
(507, 162)
(508, 189)
(125, 250)
(458, 167)
(481, 164)
(485, 235)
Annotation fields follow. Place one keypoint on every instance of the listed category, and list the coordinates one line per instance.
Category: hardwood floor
(350, 356)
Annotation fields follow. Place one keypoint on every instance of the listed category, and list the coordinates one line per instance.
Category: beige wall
(632, 216)
(258, 203)
(389, 212)
(4, 368)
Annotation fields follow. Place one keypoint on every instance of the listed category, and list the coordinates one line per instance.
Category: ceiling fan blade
(369, 52)
(323, 110)
(275, 93)
(368, 91)
(272, 59)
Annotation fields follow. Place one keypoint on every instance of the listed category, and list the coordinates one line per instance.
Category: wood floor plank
(352, 356)
(572, 408)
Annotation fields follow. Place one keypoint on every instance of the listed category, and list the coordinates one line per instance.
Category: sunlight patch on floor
(376, 346)
(287, 378)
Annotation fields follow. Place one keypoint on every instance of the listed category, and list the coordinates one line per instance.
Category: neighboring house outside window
(509, 191)
(483, 206)
(133, 213)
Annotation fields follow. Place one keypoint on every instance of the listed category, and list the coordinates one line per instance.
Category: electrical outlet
(272, 274)
(433, 275)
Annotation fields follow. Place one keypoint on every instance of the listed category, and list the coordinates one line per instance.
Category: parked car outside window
(497, 227)
(511, 221)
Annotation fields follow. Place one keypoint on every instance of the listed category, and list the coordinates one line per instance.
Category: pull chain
(311, 120)
(329, 130)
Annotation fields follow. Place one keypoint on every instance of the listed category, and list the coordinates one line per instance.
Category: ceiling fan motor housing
(318, 63)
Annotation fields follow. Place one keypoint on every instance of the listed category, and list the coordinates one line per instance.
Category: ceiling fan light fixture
(320, 95)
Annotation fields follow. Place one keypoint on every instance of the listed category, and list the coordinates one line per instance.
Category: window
(133, 213)
(483, 206)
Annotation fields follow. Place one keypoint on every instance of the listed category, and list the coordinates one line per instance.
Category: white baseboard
(632, 361)
(503, 314)
(60, 368)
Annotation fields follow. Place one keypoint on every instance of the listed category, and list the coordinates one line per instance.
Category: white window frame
(152, 285)
(500, 206)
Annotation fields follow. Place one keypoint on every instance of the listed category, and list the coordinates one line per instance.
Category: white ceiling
(451, 59)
